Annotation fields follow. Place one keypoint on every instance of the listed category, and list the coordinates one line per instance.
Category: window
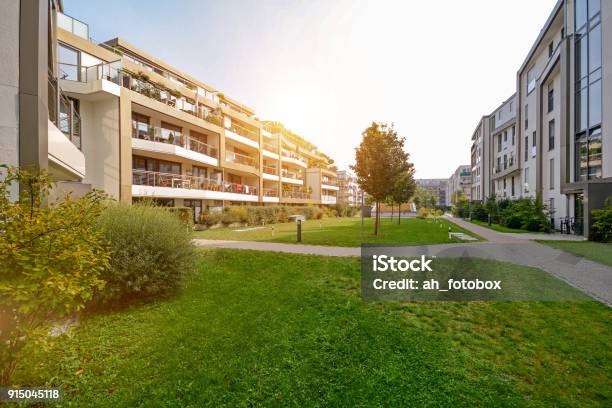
(526, 116)
(69, 63)
(511, 107)
(526, 147)
(504, 184)
(551, 49)
(149, 164)
(527, 180)
(531, 80)
(513, 134)
(533, 139)
(505, 135)
(498, 168)
(171, 133)
(551, 134)
(512, 185)
(505, 162)
(140, 126)
(499, 142)
(551, 98)
(551, 175)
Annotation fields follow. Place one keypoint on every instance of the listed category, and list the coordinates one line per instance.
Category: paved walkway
(590, 277)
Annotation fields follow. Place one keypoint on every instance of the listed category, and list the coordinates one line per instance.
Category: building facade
(350, 193)
(115, 118)
(437, 187)
(480, 160)
(460, 182)
(561, 117)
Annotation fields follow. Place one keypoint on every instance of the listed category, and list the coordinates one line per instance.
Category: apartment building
(481, 172)
(460, 182)
(118, 119)
(350, 193)
(437, 187)
(560, 117)
(503, 150)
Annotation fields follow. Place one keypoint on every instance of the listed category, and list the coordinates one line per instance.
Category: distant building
(438, 187)
(350, 193)
(460, 181)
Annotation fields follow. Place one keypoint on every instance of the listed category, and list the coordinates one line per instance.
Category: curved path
(590, 277)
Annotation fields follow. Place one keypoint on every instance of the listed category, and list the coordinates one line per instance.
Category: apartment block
(350, 193)
(114, 117)
(480, 159)
(560, 116)
(437, 187)
(460, 182)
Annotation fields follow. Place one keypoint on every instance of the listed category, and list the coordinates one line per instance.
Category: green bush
(210, 218)
(423, 213)
(185, 214)
(601, 228)
(232, 215)
(52, 258)
(479, 212)
(524, 213)
(151, 252)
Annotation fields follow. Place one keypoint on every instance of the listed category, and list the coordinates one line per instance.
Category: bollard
(299, 230)
(449, 232)
(272, 230)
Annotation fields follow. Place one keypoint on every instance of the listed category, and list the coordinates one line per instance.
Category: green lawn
(257, 328)
(344, 232)
(501, 228)
(595, 251)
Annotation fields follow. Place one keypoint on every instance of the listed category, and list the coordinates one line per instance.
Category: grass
(595, 251)
(345, 232)
(501, 228)
(262, 328)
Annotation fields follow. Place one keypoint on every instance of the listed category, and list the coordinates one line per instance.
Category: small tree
(51, 258)
(379, 160)
(403, 190)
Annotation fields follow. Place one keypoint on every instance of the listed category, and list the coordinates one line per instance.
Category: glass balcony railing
(304, 195)
(168, 136)
(243, 159)
(270, 147)
(242, 131)
(270, 192)
(111, 71)
(329, 182)
(291, 174)
(171, 180)
(71, 24)
(293, 155)
(270, 170)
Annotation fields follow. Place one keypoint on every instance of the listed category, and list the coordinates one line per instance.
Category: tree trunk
(376, 219)
(392, 211)
(399, 213)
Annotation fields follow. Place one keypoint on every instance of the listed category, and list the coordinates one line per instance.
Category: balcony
(327, 199)
(292, 157)
(270, 195)
(170, 185)
(172, 142)
(72, 25)
(171, 98)
(297, 194)
(63, 114)
(242, 135)
(271, 147)
(243, 159)
(270, 173)
(292, 177)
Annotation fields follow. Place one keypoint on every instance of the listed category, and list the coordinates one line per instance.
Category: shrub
(210, 218)
(185, 214)
(233, 215)
(479, 212)
(601, 228)
(151, 252)
(423, 213)
(513, 221)
(51, 261)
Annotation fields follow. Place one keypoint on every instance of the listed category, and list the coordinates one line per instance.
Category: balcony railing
(329, 182)
(171, 180)
(270, 192)
(111, 71)
(293, 155)
(328, 199)
(73, 25)
(270, 170)
(270, 147)
(242, 131)
(291, 174)
(297, 194)
(168, 136)
(63, 113)
(240, 159)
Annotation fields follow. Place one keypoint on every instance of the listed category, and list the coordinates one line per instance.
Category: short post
(299, 230)
(449, 232)
(273, 230)
(489, 219)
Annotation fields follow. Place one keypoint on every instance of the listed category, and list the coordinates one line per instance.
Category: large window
(531, 80)
(588, 89)
(551, 134)
(551, 98)
(551, 174)
(69, 63)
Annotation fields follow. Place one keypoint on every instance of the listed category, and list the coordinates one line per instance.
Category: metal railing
(270, 147)
(240, 159)
(168, 136)
(270, 170)
(328, 199)
(63, 113)
(293, 155)
(111, 71)
(242, 131)
(329, 182)
(73, 25)
(270, 192)
(172, 180)
(297, 194)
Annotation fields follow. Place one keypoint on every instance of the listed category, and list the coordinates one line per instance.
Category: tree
(403, 190)
(51, 258)
(424, 198)
(379, 160)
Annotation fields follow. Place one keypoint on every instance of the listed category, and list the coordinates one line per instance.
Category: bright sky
(327, 68)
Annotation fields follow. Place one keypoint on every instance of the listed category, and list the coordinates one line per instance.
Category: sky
(328, 68)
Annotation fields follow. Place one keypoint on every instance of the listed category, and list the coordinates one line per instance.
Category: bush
(513, 221)
(423, 213)
(601, 228)
(185, 214)
(232, 215)
(210, 218)
(524, 213)
(51, 261)
(479, 212)
(151, 252)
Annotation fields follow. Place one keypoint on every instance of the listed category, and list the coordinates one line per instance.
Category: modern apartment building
(437, 187)
(503, 150)
(350, 193)
(481, 172)
(560, 117)
(459, 182)
(120, 120)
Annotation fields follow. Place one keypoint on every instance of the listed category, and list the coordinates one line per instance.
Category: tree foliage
(51, 257)
(403, 189)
